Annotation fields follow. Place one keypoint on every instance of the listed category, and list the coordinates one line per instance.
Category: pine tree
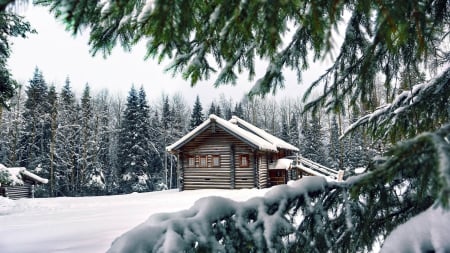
(197, 114)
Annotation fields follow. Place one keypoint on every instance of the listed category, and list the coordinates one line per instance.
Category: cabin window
(243, 161)
(216, 160)
(203, 161)
(191, 161)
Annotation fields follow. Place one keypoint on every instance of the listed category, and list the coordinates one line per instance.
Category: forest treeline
(98, 144)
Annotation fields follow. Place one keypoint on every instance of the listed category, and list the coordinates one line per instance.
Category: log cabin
(223, 154)
(18, 182)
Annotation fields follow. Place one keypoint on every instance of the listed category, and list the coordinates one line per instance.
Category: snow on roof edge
(34, 177)
(256, 140)
(265, 135)
(248, 136)
(188, 136)
(17, 174)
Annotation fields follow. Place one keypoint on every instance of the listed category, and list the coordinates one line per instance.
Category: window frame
(191, 158)
(247, 159)
(213, 157)
(200, 164)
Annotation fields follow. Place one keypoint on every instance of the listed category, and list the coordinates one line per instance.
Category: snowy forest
(98, 144)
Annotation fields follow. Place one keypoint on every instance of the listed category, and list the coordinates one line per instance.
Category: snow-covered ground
(89, 224)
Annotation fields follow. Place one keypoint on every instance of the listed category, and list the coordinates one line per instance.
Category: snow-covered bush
(4, 177)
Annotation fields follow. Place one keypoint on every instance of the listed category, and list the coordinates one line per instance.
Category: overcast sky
(58, 54)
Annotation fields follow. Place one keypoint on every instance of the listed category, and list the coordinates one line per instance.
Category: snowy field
(89, 224)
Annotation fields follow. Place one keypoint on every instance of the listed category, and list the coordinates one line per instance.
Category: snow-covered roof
(263, 134)
(241, 133)
(281, 164)
(16, 175)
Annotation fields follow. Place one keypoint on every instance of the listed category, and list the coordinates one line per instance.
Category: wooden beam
(180, 173)
(232, 167)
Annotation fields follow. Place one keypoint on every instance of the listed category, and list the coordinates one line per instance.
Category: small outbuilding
(225, 154)
(18, 182)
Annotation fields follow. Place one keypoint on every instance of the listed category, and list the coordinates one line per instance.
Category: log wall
(17, 191)
(216, 141)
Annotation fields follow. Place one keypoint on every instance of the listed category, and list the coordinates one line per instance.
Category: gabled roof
(263, 134)
(258, 141)
(17, 174)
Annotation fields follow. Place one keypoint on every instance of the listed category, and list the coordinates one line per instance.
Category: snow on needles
(180, 231)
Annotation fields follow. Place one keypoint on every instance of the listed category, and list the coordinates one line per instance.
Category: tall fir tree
(212, 109)
(313, 141)
(197, 114)
(67, 143)
(335, 159)
(134, 176)
(53, 102)
(238, 110)
(294, 131)
(36, 136)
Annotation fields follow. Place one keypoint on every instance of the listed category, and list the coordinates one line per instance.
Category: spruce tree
(133, 167)
(218, 111)
(238, 111)
(334, 147)
(212, 109)
(197, 114)
(67, 143)
(294, 131)
(86, 139)
(53, 102)
(313, 141)
(37, 129)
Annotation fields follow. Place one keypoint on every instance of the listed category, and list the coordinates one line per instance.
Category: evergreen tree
(37, 129)
(218, 111)
(133, 167)
(11, 25)
(313, 138)
(294, 131)
(228, 113)
(238, 111)
(67, 143)
(53, 101)
(212, 109)
(285, 135)
(144, 132)
(12, 124)
(335, 147)
(87, 149)
(102, 175)
(356, 155)
(165, 115)
(197, 114)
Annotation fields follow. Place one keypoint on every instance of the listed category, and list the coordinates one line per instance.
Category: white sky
(58, 54)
